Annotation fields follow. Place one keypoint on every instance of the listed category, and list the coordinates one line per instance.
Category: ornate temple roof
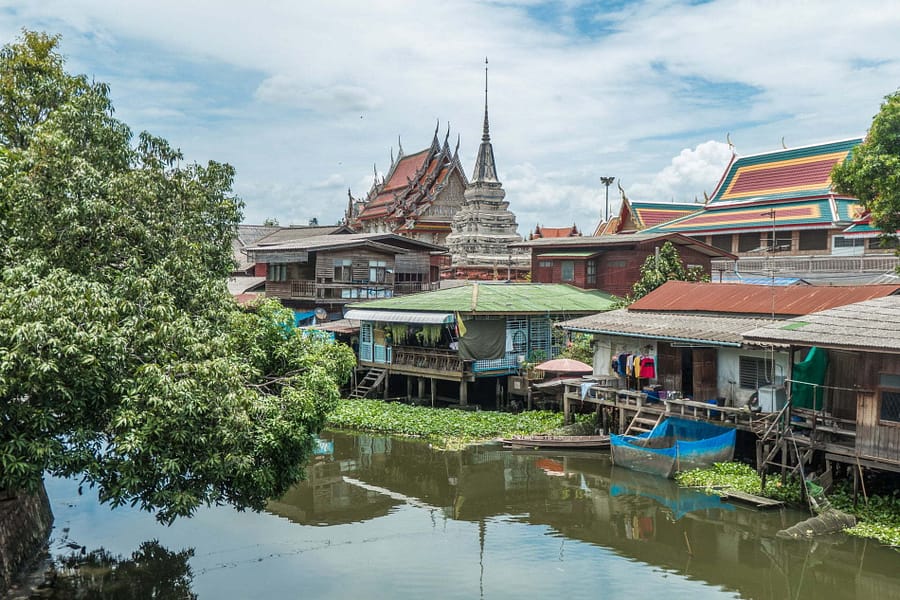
(784, 189)
(411, 185)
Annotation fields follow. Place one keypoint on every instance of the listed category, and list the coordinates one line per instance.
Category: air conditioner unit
(772, 398)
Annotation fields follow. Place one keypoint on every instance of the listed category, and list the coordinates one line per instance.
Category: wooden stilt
(463, 393)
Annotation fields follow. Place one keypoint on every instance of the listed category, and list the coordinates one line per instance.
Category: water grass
(447, 428)
(878, 516)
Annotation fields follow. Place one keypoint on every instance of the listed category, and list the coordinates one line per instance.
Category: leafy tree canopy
(872, 173)
(660, 268)
(122, 357)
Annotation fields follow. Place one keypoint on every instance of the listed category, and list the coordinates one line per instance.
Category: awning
(396, 316)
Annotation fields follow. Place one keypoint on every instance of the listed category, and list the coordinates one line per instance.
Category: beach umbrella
(565, 365)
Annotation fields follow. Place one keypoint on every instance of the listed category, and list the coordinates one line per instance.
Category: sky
(308, 100)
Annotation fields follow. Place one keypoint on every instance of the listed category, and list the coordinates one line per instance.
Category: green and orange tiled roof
(785, 174)
(650, 214)
(795, 184)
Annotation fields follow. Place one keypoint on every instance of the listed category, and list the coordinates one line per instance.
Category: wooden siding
(861, 371)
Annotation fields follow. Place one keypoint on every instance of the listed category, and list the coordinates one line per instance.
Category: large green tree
(122, 357)
(872, 173)
(659, 268)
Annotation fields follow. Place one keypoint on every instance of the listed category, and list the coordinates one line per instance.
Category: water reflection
(581, 497)
(393, 518)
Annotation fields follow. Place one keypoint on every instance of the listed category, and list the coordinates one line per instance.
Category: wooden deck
(750, 499)
(629, 402)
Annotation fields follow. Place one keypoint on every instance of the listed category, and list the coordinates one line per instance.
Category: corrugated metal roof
(738, 298)
(501, 298)
(869, 325)
(564, 253)
(398, 243)
(701, 329)
(393, 316)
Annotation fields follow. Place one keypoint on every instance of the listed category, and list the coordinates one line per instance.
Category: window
(277, 273)
(377, 271)
(722, 242)
(848, 242)
(889, 392)
(343, 269)
(782, 241)
(883, 242)
(591, 268)
(568, 270)
(545, 264)
(754, 372)
(748, 242)
(815, 239)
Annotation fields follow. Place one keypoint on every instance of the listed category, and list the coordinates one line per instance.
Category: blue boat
(674, 445)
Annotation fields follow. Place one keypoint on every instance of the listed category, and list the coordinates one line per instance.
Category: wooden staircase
(642, 423)
(370, 381)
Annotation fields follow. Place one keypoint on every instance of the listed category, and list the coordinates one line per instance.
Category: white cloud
(293, 96)
(687, 177)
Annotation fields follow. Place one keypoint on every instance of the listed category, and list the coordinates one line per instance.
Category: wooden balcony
(342, 292)
(429, 362)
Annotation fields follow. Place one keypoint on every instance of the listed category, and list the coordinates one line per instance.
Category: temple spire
(486, 134)
(485, 169)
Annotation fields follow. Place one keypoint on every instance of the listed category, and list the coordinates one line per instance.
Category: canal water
(393, 518)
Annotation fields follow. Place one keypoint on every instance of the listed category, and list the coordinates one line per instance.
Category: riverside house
(463, 341)
(849, 407)
(693, 335)
(316, 276)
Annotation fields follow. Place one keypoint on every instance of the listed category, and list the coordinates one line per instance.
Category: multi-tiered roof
(787, 189)
(417, 197)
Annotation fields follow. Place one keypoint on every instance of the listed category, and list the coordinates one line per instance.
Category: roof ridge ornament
(729, 142)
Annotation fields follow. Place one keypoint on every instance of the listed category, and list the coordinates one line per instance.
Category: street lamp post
(607, 181)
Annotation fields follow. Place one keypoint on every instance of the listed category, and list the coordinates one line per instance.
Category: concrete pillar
(422, 387)
(463, 393)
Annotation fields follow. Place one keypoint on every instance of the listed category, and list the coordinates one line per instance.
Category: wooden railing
(432, 359)
(344, 291)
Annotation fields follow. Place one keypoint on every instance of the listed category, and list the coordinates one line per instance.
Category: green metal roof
(499, 298)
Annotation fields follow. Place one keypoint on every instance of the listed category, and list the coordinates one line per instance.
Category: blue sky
(306, 98)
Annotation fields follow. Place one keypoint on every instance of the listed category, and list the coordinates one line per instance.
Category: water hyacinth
(443, 426)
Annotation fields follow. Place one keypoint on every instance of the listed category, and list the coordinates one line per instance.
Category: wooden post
(463, 393)
(421, 381)
(565, 408)
(387, 378)
(408, 388)
(433, 392)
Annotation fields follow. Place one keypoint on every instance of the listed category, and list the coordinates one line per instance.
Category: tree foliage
(661, 267)
(872, 173)
(122, 356)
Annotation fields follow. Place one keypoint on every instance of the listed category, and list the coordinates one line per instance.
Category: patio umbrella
(565, 365)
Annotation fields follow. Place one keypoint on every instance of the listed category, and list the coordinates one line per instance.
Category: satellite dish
(321, 313)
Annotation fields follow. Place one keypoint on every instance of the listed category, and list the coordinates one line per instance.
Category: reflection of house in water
(584, 500)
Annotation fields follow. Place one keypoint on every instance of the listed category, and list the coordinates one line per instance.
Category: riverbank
(878, 515)
(442, 427)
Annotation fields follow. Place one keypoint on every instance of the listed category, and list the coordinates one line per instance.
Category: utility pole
(607, 181)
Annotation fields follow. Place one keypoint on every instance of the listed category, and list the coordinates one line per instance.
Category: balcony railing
(432, 359)
(343, 291)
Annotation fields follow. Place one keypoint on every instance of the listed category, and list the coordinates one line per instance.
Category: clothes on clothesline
(639, 366)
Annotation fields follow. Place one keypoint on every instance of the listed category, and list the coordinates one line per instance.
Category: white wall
(729, 370)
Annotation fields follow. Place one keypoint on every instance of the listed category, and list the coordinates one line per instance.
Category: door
(705, 374)
(668, 369)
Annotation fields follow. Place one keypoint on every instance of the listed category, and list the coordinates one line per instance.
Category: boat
(674, 445)
(557, 441)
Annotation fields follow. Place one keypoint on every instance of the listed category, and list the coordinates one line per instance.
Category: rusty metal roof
(745, 299)
(870, 325)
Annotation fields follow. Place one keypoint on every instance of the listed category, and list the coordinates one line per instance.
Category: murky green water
(388, 518)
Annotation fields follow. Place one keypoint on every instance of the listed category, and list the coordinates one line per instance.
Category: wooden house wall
(857, 375)
(359, 256)
(414, 262)
(875, 437)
